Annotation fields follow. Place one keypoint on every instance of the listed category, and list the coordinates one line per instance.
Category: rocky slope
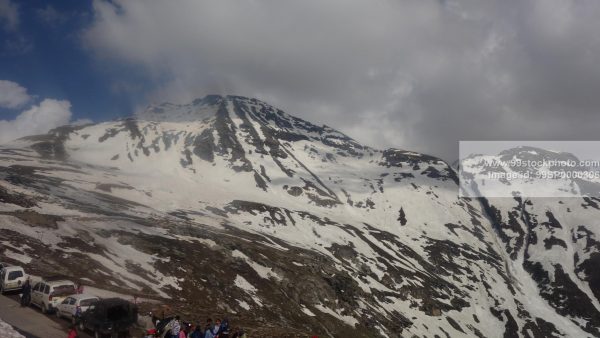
(228, 206)
(552, 240)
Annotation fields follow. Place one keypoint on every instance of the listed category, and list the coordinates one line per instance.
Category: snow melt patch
(307, 311)
(118, 256)
(17, 256)
(208, 242)
(7, 331)
(346, 319)
(261, 270)
(243, 284)
(244, 305)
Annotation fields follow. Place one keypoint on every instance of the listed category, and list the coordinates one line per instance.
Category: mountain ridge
(310, 230)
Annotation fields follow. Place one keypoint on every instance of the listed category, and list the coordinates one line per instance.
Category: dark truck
(112, 317)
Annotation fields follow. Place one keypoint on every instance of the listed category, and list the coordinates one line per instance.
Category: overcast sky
(417, 75)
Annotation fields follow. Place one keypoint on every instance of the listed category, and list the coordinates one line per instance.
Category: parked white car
(48, 294)
(12, 278)
(74, 306)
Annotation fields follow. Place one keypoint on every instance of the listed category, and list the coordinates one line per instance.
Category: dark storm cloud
(410, 74)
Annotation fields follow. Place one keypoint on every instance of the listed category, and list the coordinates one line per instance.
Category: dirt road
(31, 322)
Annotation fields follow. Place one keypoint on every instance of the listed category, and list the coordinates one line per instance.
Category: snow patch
(261, 270)
(346, 319)
(17, 256)
(307, 311)
(7, 331)
(243, 284)
(244, 305)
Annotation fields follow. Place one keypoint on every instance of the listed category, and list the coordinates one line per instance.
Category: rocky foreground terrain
(229, 206)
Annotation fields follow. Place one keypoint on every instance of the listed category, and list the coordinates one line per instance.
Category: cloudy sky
(418, 75)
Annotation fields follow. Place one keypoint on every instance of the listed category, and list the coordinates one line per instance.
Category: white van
(47, 294)
(12, 278)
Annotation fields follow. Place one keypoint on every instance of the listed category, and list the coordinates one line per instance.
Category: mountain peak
(196, 110)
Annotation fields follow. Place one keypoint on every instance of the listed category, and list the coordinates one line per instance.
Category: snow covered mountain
(228, 205)
(553, 240)
(529, 171)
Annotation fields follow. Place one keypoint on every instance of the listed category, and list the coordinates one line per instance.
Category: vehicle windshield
(66, 289)
(88, 302)
(15, 274)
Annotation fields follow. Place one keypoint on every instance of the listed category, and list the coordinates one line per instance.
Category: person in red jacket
(73, 332)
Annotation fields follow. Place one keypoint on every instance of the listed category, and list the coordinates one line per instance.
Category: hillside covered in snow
(230, 206)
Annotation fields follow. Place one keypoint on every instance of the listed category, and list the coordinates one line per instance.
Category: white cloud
(12, 95)
(9, 14)
(412, 74)
(38, 119)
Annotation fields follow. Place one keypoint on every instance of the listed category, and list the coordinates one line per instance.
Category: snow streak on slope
(273, 217)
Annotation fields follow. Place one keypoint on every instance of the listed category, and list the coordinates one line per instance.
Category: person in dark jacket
(224, 330)
(197, 333)
(26, 296)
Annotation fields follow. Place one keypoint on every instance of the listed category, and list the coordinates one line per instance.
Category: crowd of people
(177, 329)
